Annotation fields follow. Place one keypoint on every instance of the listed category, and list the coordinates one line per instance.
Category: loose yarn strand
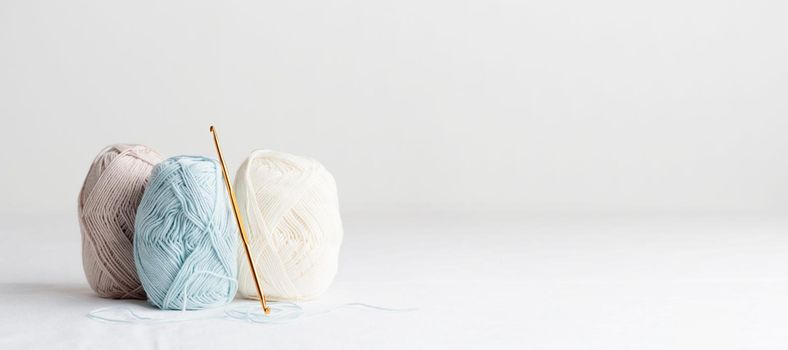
(281, 313)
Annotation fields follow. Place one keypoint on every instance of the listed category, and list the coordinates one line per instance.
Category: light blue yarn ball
(186, 241)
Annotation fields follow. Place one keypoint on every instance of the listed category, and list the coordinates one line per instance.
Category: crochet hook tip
(211, 128)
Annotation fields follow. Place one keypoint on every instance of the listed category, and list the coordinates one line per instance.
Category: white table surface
(488, 282)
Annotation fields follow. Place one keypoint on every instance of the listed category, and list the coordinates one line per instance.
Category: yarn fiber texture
(107, 207)
(290, 208)
(186, 242)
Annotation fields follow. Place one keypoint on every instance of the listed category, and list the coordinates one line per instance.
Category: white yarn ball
(290, 207)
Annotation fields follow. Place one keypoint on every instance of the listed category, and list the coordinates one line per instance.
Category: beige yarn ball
(107, 207)
(290, 207)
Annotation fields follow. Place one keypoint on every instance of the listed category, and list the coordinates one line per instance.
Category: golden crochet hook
(238, 221)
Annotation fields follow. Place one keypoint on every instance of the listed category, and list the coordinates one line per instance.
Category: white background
(546, 174)
(413, 105)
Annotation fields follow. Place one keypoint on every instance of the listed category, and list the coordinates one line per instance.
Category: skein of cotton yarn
(186, 242)
(290, 207)
(107, 208)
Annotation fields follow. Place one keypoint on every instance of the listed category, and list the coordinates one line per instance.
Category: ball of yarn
(186, 243)
(107, 207)
(290, 207)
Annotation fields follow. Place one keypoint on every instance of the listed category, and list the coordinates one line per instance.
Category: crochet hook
(238, 221)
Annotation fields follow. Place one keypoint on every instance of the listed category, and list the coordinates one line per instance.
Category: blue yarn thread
(186, 242)
(281, 312)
